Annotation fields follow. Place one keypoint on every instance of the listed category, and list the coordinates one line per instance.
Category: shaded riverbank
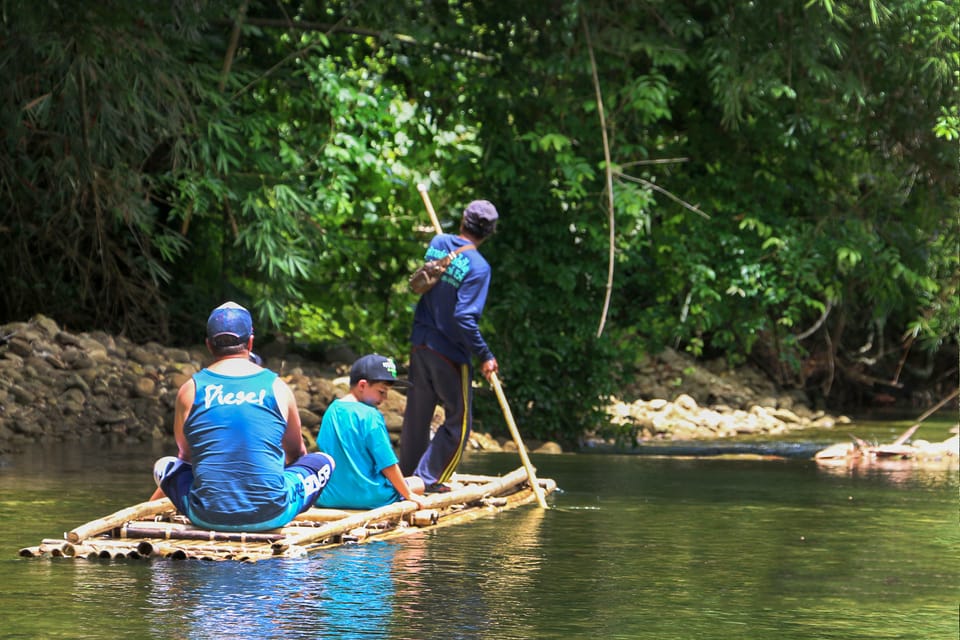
(58, 386)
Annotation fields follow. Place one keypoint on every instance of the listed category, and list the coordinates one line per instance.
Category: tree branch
(232, 47)
(307, 25)
(609, 173)
(660, 189)
(816, 325)
(653, 161)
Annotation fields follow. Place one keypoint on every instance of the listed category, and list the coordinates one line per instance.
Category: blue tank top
(235, 430)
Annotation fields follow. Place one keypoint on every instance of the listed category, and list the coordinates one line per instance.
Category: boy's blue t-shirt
(356, 436)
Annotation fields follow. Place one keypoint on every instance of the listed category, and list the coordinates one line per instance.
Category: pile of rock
(684, 419)
(709, 401)
(57, 386)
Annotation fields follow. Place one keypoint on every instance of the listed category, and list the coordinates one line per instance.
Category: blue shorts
(304, 481)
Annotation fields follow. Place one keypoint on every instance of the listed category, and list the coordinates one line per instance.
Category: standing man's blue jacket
(447, 317)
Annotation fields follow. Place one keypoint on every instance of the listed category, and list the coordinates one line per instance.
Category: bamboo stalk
(399, 509)
(91, 549)
(118, 518)
(448, 518)
(469, 478)
(318, 514)
(524, 458)
(173, 531)
(424, 517)
(422, 188)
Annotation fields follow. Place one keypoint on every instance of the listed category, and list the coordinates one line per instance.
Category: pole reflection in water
(458, 588)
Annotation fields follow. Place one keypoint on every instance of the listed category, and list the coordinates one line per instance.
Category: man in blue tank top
(445, 337)
(242, 464)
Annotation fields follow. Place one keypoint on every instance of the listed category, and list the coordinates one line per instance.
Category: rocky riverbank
(674, 398)
(58, 386)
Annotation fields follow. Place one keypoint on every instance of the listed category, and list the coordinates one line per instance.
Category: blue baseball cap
(229, 324)
(375, 368)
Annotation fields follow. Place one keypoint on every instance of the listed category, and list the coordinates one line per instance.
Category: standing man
(446, 335)
(242, 463)
(354, 433)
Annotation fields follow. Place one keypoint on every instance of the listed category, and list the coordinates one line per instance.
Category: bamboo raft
(154, 529)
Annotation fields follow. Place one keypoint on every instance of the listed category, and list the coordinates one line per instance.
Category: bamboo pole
(399, 509)
(175, 531)
(320, 514)
(422, 188)
(118, 518)
(524, 458)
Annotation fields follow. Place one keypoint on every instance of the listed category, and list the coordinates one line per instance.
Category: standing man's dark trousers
(435, 380)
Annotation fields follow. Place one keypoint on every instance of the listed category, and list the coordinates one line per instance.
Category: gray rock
(20, 346)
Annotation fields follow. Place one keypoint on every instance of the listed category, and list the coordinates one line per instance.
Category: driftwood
(862, 452)
(154, 529)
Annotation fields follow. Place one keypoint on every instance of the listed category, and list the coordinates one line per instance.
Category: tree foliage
(785, 184)
(94, 97)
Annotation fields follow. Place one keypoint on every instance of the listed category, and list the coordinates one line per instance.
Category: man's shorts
(304, 481)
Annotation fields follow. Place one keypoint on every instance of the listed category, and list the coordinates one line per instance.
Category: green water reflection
(633, 547)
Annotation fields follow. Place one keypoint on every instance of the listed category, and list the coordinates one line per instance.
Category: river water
(633, 546)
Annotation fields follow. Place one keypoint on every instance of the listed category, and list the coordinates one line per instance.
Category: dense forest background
(773, 183)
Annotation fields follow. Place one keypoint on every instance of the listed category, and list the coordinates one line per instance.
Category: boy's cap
(375, 368)
(229, 324)
(480, 213)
